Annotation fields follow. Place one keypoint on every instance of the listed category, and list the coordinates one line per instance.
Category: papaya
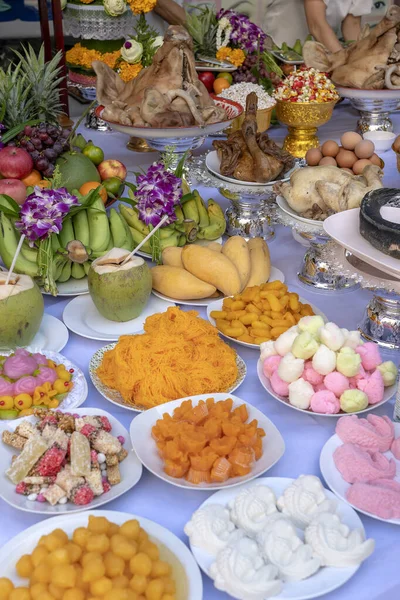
(212, 267)
(180, 284)
(237, 250)
(260, 262)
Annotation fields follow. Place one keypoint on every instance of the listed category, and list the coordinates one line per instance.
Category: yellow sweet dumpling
(101, 561)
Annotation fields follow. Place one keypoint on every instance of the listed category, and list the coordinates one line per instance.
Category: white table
(304, 434)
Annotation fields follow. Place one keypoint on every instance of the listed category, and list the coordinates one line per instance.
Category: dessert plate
(185, 570)
(146, 449)
(276, 275)
(115, 397)
(323, 581)
(345, 230)
(131, 471)
(82, 317)
(52, 335)
(335, 480)
(72, 287)
(79, 392)
(197, 242)
(217, 305)
(388, 394)
(213, 165)
(284, 206)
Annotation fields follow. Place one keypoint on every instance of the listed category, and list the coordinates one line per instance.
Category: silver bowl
(374, 107)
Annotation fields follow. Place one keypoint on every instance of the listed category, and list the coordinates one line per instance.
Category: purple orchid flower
(245, 34)
(159, 191)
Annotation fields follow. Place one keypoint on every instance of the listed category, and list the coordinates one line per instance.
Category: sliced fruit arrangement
(31, 380)
(195, 272)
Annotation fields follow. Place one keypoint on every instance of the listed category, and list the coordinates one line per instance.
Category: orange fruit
(32, 179)
(92, 185)
(43, 183)
(220, 84)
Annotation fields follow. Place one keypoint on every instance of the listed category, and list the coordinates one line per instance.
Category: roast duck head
(168, 93)
(372, 62)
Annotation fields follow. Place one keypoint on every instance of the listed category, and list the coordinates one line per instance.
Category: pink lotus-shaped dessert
(6, 387)
(19, 365)
(46, 374)
(26, 385)
(356, 464)
(374, 433)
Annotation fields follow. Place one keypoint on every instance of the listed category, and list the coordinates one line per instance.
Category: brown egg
(346, 158)
(330, 148)
(364, 149)
(313, 156)
(328, 160)
(376, 160)
(359, 165)
(350, 139)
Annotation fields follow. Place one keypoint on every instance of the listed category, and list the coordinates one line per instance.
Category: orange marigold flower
(142, 6)
(128, 72)
(224, 53)
(86, 1)
(237, 57)
(83, 57)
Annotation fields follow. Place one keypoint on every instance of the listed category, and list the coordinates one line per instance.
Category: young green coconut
(21, 310)
(119, 292)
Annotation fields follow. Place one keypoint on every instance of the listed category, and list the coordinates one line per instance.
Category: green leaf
(12, 133)
(8, 206)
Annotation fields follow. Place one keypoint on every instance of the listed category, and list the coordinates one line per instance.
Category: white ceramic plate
(197, 242)
(276, 275)
(319, 584)
(215, 69)
(82, 317)
(146, 449)
(388, 394)
(217, 305)
(283, 205)
(213, 165)
(79, 392)
(115, 397)
(72, 287)
(344, 228)
(232, 110)
(131, 471)
(52, 335)
(185, 570)
(336, 482)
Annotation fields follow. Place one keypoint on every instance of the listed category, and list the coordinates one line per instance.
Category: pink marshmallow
(279, 386)
(374, 433)
(380, 498)
(325, 402)
(337, 383)
(271, 364)
(320, 387)
(370, 356)
(373, 387)
(311, 375)
(362, 374)
(395, 448)
(356, 464)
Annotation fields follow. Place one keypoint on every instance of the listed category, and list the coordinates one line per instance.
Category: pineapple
(29, 89)
(202, 25)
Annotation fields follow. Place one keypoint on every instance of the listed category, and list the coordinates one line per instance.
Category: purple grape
(28, 130)
(49, 171)
(42, 163)
(30, 147)
(58, 147)
(48, 142)
(24, 143)
(35, 154)
(37, 143)
(50, 153)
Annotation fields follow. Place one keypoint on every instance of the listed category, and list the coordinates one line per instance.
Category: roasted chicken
(250, 156)
(373, 62)
(317, 192)
(166, 94)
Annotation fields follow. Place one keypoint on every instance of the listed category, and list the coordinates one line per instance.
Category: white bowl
(382, 140)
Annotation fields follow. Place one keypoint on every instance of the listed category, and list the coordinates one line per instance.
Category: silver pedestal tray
(381, 319)
(315, 269)
(374, 106)
(93, 121)
(252, 207)
(180, 140)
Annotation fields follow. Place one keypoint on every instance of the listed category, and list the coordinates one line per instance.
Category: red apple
(13, 188)
(208, 79)
(112, 168)
(15, 163)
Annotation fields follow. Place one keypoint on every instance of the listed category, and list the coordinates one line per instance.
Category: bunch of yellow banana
(193, 220)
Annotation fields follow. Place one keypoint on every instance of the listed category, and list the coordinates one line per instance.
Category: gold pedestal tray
(303, 120)
(137, 144)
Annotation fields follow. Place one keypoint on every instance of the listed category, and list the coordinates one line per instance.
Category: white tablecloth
(304, 434)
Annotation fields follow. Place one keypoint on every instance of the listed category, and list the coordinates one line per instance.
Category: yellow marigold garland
(86, 1)
(142, 6)
(83, 57)
(236, 57)
(128, 72)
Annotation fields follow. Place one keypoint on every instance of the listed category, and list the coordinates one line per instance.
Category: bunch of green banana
(9, 239)
(169, 236)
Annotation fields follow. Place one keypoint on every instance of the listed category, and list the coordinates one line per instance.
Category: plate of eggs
(353, 154)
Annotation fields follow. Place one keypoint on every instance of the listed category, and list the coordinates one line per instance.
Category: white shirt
(337, 10)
